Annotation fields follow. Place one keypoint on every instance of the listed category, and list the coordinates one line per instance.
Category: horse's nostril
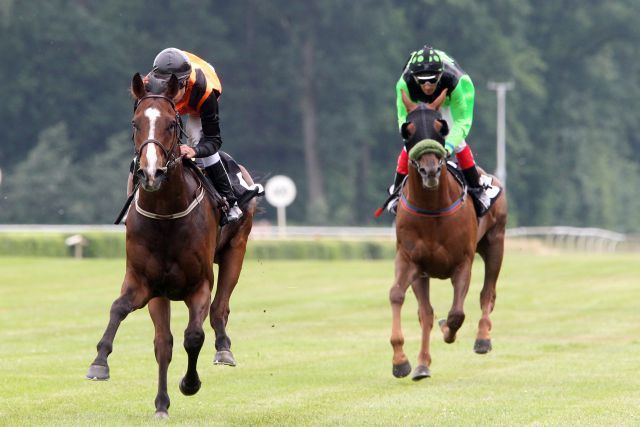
(161, 172)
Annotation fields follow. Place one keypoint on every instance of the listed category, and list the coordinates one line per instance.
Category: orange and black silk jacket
(201, 99)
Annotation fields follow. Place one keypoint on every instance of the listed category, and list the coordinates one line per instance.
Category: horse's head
(156, 131)
(428, 157)
(424, 132)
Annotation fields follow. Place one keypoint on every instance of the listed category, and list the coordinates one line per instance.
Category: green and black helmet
(171, 61)
(425, 62)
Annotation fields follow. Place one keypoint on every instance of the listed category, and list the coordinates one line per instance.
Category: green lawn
(312, 343)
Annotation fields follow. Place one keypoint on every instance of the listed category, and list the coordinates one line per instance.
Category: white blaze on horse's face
(152, 157)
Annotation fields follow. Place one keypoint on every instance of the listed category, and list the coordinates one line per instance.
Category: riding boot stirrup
(220, 180)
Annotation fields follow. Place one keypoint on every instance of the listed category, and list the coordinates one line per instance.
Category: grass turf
(311, 341)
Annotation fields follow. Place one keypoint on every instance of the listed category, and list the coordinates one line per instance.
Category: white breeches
(193, 128)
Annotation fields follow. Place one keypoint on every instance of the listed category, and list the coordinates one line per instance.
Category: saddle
(486, 181)
(241, 189)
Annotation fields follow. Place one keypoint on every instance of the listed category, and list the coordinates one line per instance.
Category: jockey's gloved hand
(449, 148)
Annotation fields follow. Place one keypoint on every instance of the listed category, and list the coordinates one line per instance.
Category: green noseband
(427, 146)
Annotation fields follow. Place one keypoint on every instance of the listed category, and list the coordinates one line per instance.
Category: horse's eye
(172, 125)
(135, 125)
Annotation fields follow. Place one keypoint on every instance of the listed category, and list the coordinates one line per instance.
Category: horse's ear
(407, 130)
(408, 104)
(137, 86)
(173, 86)
(438, 101)
(441, 126)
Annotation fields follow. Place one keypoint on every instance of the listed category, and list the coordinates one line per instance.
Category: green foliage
(575, 69)
(320, 249)
(112, 245)
(101, 188)
(27, 244)
(38, 189)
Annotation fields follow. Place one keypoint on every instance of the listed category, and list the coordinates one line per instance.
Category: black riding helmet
(171, 61)
(425, 62)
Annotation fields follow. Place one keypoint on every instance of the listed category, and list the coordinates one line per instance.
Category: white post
(501, 89)
(280, 191)
(282, 221)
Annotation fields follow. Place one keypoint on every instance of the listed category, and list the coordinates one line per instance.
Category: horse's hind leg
(230, 265)
(425, 315)
(131, 298)
(491, 252)
(405, 273)
(160, 312)
(198, 304)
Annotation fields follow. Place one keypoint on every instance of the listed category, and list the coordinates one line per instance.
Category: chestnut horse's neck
(445, 199)
(175, 194)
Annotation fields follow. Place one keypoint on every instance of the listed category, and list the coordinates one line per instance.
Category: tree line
(308, 91)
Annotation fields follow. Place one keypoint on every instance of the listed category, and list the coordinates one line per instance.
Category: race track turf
(312, 343)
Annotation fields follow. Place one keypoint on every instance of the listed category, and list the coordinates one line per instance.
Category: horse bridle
(416, 165)
(177, 134)
(449, 210)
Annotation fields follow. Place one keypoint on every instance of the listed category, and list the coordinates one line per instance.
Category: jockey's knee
(211, 160)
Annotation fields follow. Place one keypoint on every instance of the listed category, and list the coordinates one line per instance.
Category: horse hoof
(421, 372)
(224, 357)
(98, 373)
(482, 346)
(446, 332)
(189, 389)
(161, 415)
(402, 370)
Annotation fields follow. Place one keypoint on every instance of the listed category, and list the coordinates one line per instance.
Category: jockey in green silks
(426, 74)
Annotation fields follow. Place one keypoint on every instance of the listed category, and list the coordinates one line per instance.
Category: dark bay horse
(438, 234)
(172, 237)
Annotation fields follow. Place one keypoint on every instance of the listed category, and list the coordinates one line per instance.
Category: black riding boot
(392, 206)
(476, 190)
(220, 180)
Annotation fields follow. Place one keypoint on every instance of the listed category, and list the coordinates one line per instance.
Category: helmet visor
(430, 78)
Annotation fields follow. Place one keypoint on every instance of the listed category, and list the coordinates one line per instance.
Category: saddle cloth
(243, 191)
(490, 190)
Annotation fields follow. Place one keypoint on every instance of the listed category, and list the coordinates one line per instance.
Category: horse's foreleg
(492, 253)
(198, 304)
(405, 273)
(131, 298)
(230, 262)
(460, 281)
(160, 312)
(425, 315)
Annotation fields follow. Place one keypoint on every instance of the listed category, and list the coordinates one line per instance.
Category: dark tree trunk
(316, 200)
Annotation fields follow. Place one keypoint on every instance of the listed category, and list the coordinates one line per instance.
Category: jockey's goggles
(427, 78)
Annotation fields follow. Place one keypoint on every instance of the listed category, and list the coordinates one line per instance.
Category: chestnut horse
(172, 237)
(437, 234)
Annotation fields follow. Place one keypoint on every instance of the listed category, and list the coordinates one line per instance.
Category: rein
(449, 210)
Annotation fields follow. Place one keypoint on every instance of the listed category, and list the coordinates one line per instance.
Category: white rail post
(501, 89)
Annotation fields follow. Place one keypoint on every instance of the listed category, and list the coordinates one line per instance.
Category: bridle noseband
(169, 154)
